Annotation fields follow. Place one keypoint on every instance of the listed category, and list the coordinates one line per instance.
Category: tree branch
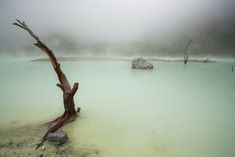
(186, 55)
(68, 93)
(62, 78)
(74, 89)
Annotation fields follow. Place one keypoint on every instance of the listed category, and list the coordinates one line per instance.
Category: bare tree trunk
(186, 55)
(70, 113)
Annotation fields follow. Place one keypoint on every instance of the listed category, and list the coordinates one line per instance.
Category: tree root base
(54, 125)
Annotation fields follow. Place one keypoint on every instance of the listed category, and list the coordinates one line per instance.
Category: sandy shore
(21, 142)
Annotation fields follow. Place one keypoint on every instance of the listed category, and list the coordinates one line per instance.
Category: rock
(78, 109)
(10, 143)
(140, 63)
(43, 148)
(58, 137)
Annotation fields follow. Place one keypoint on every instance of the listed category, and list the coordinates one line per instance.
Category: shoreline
(63, 58)
(18, 141)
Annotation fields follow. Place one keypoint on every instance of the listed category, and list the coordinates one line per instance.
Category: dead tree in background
(186, 54)
(70, 113)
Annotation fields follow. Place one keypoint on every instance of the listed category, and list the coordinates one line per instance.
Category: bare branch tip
(18, 21)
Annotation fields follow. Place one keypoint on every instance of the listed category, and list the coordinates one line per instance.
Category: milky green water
(171, 111)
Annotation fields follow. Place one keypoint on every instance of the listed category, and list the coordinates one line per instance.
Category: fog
(120, 27)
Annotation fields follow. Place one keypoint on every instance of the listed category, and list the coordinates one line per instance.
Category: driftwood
(70, 113)
(186, 55)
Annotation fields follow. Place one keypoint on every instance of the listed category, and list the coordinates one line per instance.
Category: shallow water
(171, 111)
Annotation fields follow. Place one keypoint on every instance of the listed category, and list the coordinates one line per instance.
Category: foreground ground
(21, 141)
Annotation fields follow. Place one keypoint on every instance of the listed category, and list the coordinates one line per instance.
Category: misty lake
(174, 110)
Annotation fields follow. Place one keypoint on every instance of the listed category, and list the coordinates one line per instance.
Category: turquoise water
(171, 111)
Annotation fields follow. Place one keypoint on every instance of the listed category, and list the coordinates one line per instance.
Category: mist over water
(124, 27)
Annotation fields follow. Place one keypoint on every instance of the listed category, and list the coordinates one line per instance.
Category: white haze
(110, 21)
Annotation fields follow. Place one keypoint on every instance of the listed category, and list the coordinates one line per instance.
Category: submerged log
(70, 113)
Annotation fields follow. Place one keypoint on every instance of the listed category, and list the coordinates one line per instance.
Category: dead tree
(186, 54)
(70, 113)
